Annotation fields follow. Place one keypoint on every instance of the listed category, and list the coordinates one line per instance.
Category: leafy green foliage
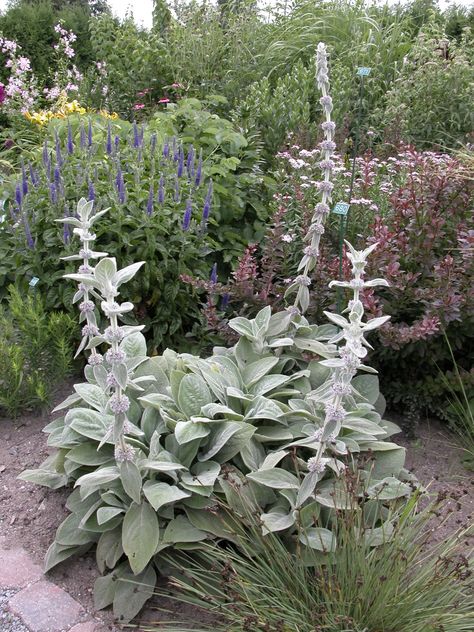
(36, 349)
(139, 225)
(417, 109)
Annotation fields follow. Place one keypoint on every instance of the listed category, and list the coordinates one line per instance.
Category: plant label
(33, 282)
(363, 71)
(341, 208)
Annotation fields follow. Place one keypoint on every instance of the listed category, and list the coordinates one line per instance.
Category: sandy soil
(29, 515)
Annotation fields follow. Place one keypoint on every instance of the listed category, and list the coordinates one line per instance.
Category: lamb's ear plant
(154, 445)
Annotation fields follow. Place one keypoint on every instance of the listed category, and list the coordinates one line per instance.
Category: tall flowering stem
(82, 227)
(102, 282)
(351, 333)
(301, 283)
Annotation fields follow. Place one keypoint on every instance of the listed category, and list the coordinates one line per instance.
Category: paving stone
(87, 626)
(17, 568)
(44, 607)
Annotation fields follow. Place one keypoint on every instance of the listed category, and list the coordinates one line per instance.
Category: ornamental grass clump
(155, 445)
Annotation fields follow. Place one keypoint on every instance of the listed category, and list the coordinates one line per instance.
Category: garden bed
(29, 514)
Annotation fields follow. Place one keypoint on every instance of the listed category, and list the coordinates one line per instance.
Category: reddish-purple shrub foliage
(418, 206)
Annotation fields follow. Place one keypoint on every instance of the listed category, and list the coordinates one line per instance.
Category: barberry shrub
(418, 207)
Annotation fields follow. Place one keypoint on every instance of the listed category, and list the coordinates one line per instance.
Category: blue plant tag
(363, 71)
(33, 281)
(341, 208)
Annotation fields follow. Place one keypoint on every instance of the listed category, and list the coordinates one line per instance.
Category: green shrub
(36, 350)
(32, 24)
(430, 102)
(140, 225)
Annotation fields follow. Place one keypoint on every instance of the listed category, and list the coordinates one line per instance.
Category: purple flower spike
(214, 273)
(175, 150)
(161, 190)
(70, 142)
(108, 144)
(149, 206)
(29, 239)
(190, 162)
(120, 184)
(187, 215)
(18, 195)
(59, 158)
(207, 203)
(24, 179)
(225, 301)
(46, 159)
(33, 176)
(180, 162)
(198, 179)
(117, 142)
(91, 192)
(82, 140)
(57, 176)
(53, 194)
(166, 150)
(153, 143)
(89, 134)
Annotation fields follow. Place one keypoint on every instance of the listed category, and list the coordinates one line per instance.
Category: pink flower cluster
(20, 92)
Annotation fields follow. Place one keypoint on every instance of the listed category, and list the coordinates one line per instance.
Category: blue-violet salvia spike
(166, 149)
(33, 176)
(91, 191)
(59, 158)
(18, 195)
(190, 162)
(57, 176)
(153, 143)
(66, 228)
(53, 195)
(175, 150)
(46, 158)
(29, 239)
(117, 142)
(24, 179)
(149, 206)
(207, 203)
(187, 214)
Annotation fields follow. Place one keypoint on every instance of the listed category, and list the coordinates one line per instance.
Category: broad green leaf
(140, 535)
(90, 423)
(87, 454)
(256, 370)
(193, 395)
(53, 480)
(367, 386)
(389, 488)
(276, 478)
(186, 431)
(276, 520)
(134, 345)
(132, 592)
(159, 494)
(131, 480)
(109, 548)
(318, 538)
(104, 514)
(92, 395)
(57, 553)
(93, 481)
(202, 474)
(181, 530)
(70, 534)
